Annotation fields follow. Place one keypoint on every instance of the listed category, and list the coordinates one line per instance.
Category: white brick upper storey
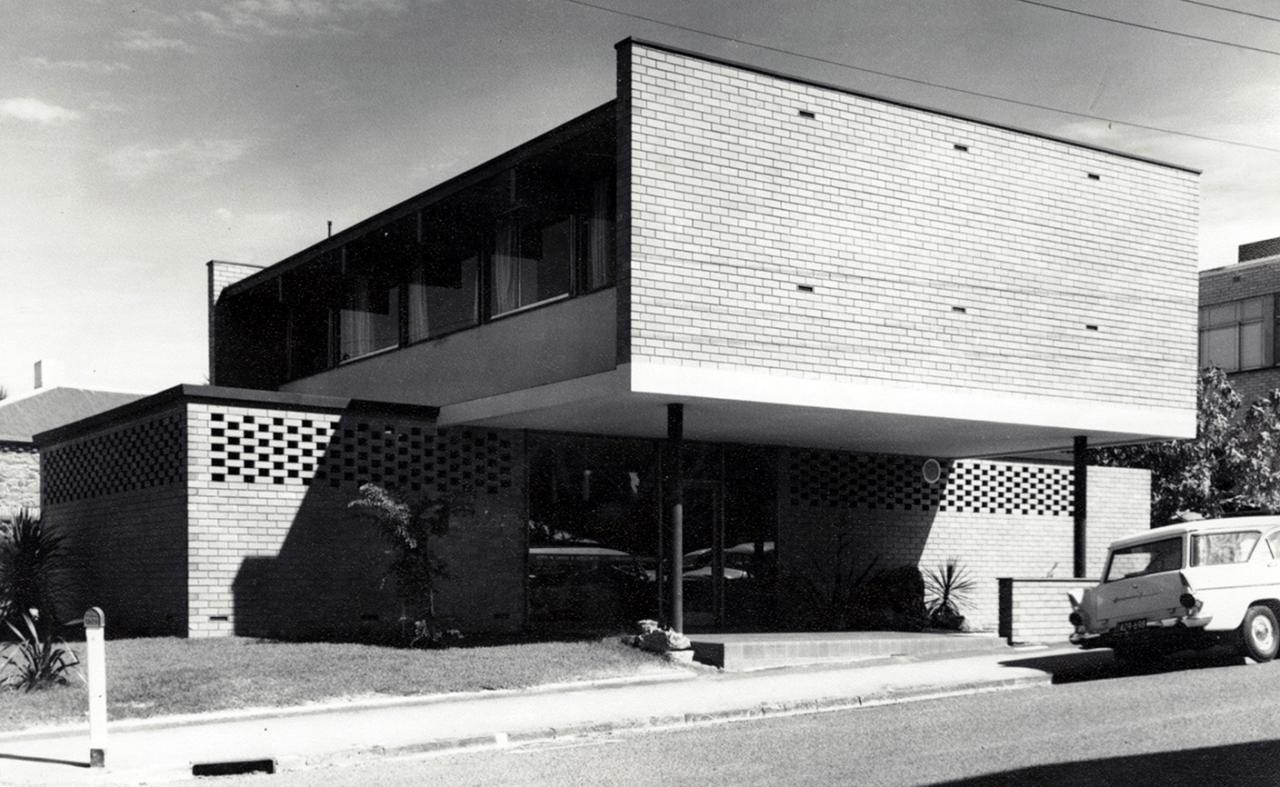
(948, 260)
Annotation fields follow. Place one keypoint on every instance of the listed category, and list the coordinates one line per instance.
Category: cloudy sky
(139, 140)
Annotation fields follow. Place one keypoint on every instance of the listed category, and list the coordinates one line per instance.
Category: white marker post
(94, 632)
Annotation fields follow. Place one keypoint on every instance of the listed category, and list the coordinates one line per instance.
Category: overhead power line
(927, 83)
(1152, 28)
(1230, 10)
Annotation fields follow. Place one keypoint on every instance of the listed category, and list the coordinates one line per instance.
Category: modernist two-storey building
(707, 340)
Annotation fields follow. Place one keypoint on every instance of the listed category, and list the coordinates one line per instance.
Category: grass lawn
(160, 676)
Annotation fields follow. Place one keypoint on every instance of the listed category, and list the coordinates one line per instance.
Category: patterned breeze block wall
(19, 478)
(747, 187)
(119, 496)
(997, 518)
(276, 551)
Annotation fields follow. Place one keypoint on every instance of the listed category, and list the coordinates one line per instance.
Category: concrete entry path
(744, 652)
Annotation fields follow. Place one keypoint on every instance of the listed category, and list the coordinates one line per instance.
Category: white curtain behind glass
(506, 267)
(419, 325)
(600, 235)
(355, 323)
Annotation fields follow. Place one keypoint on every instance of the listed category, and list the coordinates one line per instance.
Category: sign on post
(94, 634)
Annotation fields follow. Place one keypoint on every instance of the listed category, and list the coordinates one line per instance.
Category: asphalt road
(1188, 722)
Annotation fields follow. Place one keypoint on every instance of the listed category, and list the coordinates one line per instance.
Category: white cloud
(196, 158)
(293, 17)
(89, 66)
(33, 110)
(150, 41)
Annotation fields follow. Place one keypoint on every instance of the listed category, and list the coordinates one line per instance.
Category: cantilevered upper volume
(796, 263)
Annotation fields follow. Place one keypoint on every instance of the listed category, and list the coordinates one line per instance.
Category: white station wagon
(1189, 585)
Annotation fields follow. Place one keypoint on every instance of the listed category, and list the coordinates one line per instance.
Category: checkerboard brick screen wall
(303, 448)
(834, 479)
(210, 518)
(150, 453)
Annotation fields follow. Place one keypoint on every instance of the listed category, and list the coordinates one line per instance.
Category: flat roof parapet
(243, 397)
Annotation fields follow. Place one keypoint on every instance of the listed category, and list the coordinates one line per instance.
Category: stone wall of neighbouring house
(276, 551)
(118, 495)
(997, 518)
(19, 477)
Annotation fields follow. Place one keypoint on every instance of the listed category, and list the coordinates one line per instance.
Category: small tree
(409, 528)
(1232, 464)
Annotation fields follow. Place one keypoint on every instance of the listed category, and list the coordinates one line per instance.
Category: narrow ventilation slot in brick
(961, 148)
(1091, 327)
(804, 287)
(1094, 176)
(804, 113)
(959, 310)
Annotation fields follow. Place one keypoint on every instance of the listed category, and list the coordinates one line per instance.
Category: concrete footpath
(166, 749)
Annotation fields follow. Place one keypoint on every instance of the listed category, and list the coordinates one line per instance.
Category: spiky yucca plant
(38, 660)
(950, 586)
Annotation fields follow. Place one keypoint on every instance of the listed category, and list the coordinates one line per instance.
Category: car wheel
(1259, 634)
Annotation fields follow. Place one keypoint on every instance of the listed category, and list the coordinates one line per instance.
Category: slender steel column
(675, 439)
(1080, 502)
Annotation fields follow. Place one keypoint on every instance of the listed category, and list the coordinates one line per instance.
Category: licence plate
(1131, 626)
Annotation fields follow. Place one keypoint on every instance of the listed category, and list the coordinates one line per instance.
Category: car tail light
(1075, 619)
(1187, 600)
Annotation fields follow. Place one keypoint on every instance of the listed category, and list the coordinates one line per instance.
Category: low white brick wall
(1036, 609)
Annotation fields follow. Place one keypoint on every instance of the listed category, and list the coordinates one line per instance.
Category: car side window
(1273, 541)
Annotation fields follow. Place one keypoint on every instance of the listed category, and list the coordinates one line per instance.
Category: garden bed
(163, 676)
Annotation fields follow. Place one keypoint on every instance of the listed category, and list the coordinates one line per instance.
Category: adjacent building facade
(770, 328)
(1238, 319)
(22, 417)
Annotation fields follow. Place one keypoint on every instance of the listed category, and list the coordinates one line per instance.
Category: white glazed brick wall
(988, 546)
(736, 199)
(1036, 610)
(292, 560)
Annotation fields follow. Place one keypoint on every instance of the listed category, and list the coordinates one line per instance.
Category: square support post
(675, 439)
(1080, 504)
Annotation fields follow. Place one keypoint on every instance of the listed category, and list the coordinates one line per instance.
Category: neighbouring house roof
(21, 419)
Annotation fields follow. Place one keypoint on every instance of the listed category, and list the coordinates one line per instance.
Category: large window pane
(442, 297)
(1251, 345)
(1222, 347)
(1222, 315)
(531, 263)
(368, 320)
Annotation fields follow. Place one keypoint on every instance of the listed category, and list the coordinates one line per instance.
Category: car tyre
(1259, 634)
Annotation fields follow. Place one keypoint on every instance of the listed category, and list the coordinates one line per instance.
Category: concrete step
(743, 652)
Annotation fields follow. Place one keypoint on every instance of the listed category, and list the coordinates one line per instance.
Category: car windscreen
(1220, 549)
(1139, 560)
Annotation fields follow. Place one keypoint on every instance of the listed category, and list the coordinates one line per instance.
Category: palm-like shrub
(28, 553)
(410, 528)
(949, 586)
